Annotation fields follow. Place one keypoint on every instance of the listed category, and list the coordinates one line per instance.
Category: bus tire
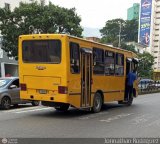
(62, 107)
(35, 103)
(97, 103)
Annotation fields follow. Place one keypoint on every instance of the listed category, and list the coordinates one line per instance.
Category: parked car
(157, 83)
(10, 93)
(146, 84)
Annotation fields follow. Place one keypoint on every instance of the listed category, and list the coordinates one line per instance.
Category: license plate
(42, 91)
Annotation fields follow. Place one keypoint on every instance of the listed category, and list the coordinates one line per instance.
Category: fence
(149, 87)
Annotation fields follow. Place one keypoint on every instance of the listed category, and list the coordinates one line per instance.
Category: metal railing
(149, 86)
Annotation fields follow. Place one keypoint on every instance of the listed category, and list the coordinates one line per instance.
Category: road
(142, 119)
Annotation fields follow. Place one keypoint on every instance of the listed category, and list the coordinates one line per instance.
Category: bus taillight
(23, 87)
(62, 89)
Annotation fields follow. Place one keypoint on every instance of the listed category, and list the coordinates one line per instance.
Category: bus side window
(74, 58)
(98, 61)
(109, 63)
(119, 67)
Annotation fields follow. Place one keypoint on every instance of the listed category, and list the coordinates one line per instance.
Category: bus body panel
(52, 76)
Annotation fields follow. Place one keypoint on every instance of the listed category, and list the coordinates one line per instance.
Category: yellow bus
(61, 71)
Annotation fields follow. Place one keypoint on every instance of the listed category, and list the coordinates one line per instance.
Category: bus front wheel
(97, 103)
(62, 107)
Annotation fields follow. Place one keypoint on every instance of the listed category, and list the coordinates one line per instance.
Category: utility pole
(120, 27)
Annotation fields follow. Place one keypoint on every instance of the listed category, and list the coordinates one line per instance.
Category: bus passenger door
(86, 76)
(128, 69)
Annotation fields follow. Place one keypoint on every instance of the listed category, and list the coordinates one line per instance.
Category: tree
(35, 17)
(110, 32)
(145, 69)
(125, 46)
(131, 30)
(130, 48)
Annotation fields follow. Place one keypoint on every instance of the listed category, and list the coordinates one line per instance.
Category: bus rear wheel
(97, 103)
(35, 103)
(62, 107)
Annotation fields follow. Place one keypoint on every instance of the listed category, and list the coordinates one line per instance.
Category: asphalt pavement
(142, 119)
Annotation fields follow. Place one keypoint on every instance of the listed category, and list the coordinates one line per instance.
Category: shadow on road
(72, 112)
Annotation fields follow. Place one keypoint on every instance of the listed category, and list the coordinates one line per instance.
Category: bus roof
(101, 44)
(82, 39)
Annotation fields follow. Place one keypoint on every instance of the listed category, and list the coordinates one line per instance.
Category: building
(138, 47)
(149, 28)
(133, 12)
(95, 39)
(11, 4)
(8, 65)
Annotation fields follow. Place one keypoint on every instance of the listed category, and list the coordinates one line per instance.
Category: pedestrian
(131, 77)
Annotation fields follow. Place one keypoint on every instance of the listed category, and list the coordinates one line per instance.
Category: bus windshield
(41, 51)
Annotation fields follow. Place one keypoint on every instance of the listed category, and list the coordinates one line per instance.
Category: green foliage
(145, 69)
(128, 47)
(110, 32)
(131, 30)
(115, 43)
(111, 29)
(124, 46)
(35, 17)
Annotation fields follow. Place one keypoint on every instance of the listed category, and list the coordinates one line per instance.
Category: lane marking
(142, 119)
(90, 116)
(120, 116)
(154, 123)
(33, 110)
(20, 109)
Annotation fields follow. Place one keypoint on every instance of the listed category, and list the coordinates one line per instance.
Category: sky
(95, 13)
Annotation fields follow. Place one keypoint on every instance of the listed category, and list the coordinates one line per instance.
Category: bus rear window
(41, 51)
